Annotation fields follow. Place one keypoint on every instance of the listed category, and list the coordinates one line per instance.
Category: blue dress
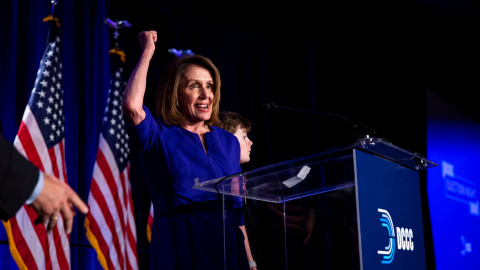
(187, 228)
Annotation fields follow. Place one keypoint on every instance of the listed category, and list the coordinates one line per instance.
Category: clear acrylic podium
(352, 207)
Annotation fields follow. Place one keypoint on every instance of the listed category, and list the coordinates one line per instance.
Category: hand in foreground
(147, 40)
(56, 197)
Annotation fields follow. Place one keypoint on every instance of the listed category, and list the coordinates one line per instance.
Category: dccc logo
(404, 238)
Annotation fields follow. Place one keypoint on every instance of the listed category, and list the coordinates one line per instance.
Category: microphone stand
(360, 130)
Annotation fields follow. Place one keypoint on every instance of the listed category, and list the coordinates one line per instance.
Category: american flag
(150, 223)
(110, 223)
(41, 139)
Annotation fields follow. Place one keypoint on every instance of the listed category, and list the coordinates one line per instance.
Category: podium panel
(353, 207)
(389, 213)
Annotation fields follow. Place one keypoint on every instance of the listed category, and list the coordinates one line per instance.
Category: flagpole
(54, 3)
(117, 25)
(52, 33)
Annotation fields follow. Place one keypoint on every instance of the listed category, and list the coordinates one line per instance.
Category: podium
(352, 207)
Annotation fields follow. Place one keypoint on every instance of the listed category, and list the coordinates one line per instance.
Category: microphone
(359, 129)
(269, 106)
(275, 107)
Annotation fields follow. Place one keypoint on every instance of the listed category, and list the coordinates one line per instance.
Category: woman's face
(196, 94)
(245, 144)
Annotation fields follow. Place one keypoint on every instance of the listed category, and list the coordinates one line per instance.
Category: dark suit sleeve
(18, 178)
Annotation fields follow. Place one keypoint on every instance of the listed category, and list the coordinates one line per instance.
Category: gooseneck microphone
(359, 129)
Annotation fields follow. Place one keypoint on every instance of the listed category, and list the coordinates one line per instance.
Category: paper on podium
(297, 179)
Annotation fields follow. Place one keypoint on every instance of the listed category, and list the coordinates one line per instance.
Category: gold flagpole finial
(52, 17)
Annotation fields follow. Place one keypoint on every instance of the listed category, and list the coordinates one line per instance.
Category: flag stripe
(53, 252)
(126, 231)
(53, 158)
(29, 147)
(42, 235)
(34, 143)
(65, 240)
(61, 258)
(131, 232)
(130, 236)
(115, 188)
(125, 197)
(21, 245)
(32, 245)
(132, 244)
(101, 238)
(110, 221)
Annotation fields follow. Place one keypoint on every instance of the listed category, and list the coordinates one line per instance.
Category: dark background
(369, 61)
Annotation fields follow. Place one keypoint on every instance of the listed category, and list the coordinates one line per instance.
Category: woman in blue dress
(177, 145)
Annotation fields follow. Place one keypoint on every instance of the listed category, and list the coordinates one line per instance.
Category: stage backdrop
(453, 140)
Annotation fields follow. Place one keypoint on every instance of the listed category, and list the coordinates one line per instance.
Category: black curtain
(337, 58)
